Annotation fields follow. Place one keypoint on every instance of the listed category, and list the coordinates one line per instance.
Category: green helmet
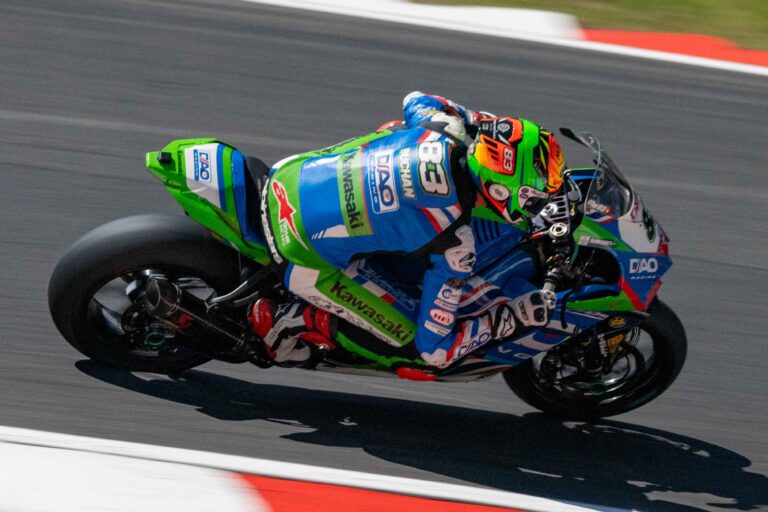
(516, 164)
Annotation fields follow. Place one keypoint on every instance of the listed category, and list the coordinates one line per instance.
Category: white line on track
(44, 479)
(90, 446)
(488, 22)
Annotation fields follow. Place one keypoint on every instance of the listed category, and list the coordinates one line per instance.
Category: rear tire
(670, 347)
(171, 244)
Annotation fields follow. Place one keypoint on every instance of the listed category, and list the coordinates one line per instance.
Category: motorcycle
(163, 294)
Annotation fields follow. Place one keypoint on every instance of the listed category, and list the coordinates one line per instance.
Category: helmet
(516, 164)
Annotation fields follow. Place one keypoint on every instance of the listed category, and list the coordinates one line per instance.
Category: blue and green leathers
(389, 192)
(334, 219)
(331, 208)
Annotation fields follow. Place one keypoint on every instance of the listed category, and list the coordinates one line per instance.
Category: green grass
(742, 21)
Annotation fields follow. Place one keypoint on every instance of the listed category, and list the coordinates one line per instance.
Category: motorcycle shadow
(609, 463)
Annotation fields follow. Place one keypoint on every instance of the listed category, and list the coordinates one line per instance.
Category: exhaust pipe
(166, 301)
(162, 298)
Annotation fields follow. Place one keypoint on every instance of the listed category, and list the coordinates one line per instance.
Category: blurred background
(744, 21)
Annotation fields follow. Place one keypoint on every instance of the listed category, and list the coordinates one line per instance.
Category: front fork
(593, 351)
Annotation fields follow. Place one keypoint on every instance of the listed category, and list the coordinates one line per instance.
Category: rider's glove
(503, 321)
(532, 308)
(453, 126)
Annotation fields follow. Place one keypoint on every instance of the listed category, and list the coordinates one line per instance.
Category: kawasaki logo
(340, 290)
(355, 216)
(351, 195)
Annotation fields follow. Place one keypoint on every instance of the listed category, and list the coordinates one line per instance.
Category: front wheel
(652, 356)
(95, 293)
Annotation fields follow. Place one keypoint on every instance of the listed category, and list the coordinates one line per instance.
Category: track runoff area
(45, 471)
(549, 28)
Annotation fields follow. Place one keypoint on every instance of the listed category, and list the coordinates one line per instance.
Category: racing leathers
(335, 219)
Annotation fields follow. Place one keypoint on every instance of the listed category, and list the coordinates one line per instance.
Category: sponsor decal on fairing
(596, 242)
(617, 322)
(643, 266)
(202, 172)
(396, 330)
(267, 228)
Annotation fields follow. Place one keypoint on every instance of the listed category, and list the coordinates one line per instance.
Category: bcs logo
(202, 161)
(441, 317)
(382, 182)
(643, 266)
(450, 295)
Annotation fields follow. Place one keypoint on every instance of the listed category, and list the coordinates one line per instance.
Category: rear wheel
(648, 360)
(95, 293)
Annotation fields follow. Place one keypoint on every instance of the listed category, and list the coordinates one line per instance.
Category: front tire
(669, 351)
(125, 247)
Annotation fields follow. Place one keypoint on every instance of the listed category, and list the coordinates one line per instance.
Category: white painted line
(521, 24)
(541, 25)
(409, 486)
(43, 479)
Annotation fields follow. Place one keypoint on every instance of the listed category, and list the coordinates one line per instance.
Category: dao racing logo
(285, 215)
(643, 266)
(381, 179)
(202, 165)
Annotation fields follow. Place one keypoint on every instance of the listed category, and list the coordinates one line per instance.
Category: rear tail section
(218, 187)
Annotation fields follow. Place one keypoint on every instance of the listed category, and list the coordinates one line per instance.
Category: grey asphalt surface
(86, 87)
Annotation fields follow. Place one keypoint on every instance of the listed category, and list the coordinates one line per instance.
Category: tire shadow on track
(608, 462)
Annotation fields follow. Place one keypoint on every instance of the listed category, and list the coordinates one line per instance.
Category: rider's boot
(295, 333)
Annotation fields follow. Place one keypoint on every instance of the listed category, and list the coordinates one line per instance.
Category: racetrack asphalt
(86, 87)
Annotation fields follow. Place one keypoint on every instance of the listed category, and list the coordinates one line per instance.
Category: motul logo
(643, 265)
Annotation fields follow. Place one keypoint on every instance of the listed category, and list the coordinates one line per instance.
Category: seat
(256, 175)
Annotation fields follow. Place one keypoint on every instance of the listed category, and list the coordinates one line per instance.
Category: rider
(336, 218)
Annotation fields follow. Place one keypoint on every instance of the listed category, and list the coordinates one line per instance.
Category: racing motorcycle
(163, 293)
